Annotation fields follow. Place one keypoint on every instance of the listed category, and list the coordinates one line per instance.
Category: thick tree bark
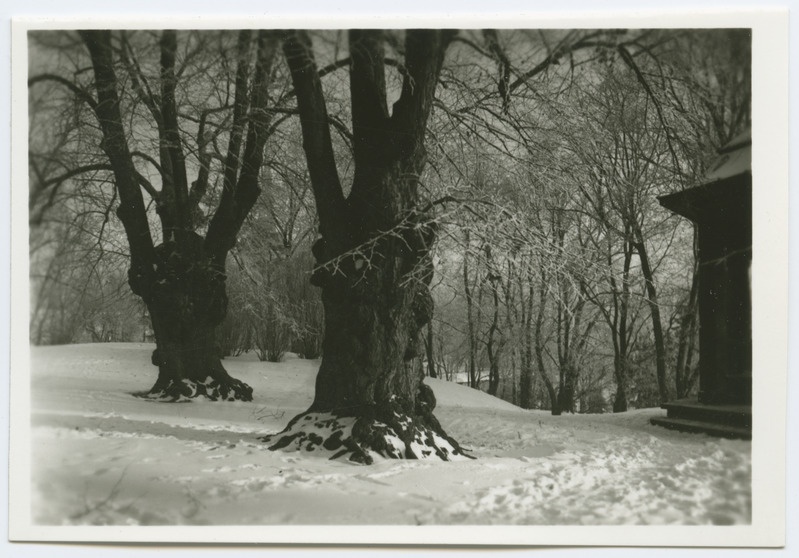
(182, 281)
(373, 319)
(374, 263)
(131, 210)
(186, 303)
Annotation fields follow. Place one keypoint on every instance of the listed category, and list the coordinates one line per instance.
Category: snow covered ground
(102, 456)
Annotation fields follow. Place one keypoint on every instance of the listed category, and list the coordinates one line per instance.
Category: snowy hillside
(102, 456)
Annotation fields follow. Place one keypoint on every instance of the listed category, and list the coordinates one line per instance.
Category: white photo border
(770, 135)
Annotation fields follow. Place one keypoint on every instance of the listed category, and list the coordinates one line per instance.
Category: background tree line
(559, 282)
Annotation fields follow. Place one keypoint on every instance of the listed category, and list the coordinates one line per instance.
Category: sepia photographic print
(451, 282)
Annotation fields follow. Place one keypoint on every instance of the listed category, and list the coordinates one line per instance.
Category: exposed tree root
(374, 433)
(229, 389)
(217, 385)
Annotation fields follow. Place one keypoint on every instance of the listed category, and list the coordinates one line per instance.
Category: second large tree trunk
(187, 302)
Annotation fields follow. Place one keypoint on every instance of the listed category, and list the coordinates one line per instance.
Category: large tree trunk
(370, 397)
(374, 263)
(187, 302)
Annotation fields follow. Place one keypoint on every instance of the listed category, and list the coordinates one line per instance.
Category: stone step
(689, 409)
(714, 429)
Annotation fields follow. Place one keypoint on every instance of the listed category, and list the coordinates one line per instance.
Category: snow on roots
(332, 436)
(185, 390)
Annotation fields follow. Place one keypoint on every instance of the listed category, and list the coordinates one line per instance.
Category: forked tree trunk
(373, 257)
(182, 281)
(187, 302)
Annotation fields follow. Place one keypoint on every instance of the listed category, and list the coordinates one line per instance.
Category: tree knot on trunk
(420, 231)
(425, 400)
(422, 306)
(188, 285)
(140, 279)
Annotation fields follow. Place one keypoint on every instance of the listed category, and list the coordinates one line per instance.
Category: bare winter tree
(373, 253)
(181, 279)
